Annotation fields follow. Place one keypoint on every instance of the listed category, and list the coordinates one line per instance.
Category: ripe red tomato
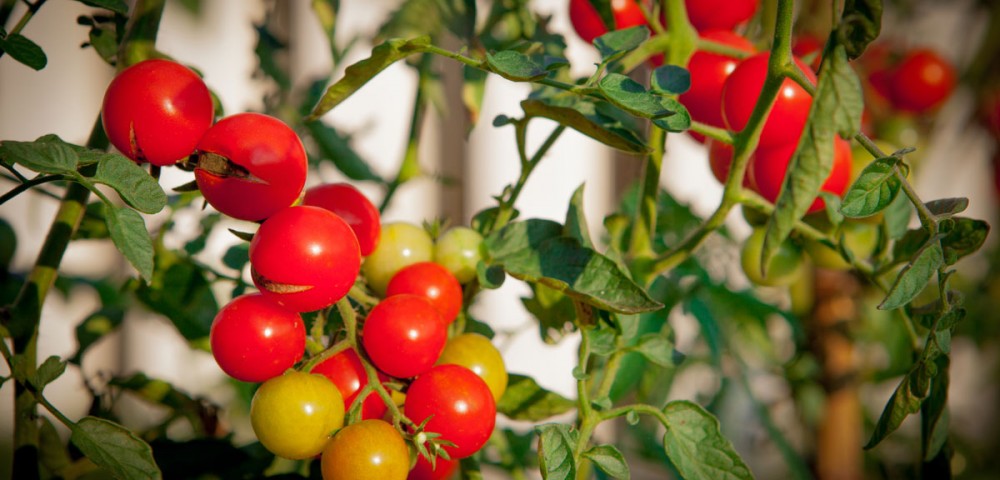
(404, 335)
(367, 450)
(441, 470)
(266, 166)
(459, 405)
(254, 339)
(922, 81)
(304, 258)
(353, 207)
(156, 111)
(348, 374)
(720, 157)
(294, 414)
(719, 14)
(708, 74)
(787, 118)
(588, 24)
(769, 166)
(433, 282)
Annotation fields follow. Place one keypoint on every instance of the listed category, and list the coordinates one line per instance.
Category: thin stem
(25, 18)
(644, 224)
(506, 207)
(28, 184)
(326, 354)
(715, 133)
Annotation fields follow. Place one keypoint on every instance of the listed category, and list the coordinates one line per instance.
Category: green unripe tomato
(401, 245)
(860, 238)
(458, 250)
(294, 414)
(785, 266)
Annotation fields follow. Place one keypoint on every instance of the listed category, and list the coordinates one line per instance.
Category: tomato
(348, 374)
(404, 335)
(477, 353)
(787, 118)
(433, 282)
(367, 450)
(304, 258)
(250, 166)
(442, 469)
(459, 250)
(254, 339)
(587, 22)
(402, 244)
(293, 415)
(784, 269)
(769, 167)
(353, 207)
(459, 405)
(922, 81)
(719, 14)
(708, 74)
(720, 157)
(860, 238)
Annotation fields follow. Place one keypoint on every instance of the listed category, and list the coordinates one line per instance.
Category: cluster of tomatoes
(307, 257)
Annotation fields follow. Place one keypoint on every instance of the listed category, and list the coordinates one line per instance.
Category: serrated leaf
(336, 148)
(861, 24)
(632, 97)
(947, 207)
(48, 371)
(114, 448)
(610, 460)
(616, 43)
(132, 183)
(657, 349)
(670, 79)
(965, 237)
(556, 443)
(42, 155)
(358, 74)
(914, 277)
(576, 222)
(524, 399)
(876, 187)
(589, 118)
(117, 6)
(696, 447)
(23, 50)
(128, 232)
(93, 328)
(515, 66)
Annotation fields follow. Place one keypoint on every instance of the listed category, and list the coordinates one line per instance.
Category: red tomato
(156, 111)
(708, 74)
(304, 258)
(769, 166)
(787, 118)
(719, 14)
(404, 335)
(459, 405)
(720, 157)
(588, 24)
(442, 469)
(433, 282)
(254, 339)
(348, 374)
(353, 207)
(922, 81)
(266, 166)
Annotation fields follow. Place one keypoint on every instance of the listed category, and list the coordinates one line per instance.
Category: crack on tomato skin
(265, 283)
(222, 167)
(133, 144)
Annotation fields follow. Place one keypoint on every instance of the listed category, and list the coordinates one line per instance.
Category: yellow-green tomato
(458, 250)
(860, 238)
(401, 245)
(785, 266)
(367, 450)
(477, 353)
(294, 414)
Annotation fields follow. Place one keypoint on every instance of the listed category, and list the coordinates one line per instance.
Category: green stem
(685, 36)
(715, 133)
(506, 207)
(326, 354)
(26, 185)
(588, 416)
(139, 42)
(644, 224)
(25, 18)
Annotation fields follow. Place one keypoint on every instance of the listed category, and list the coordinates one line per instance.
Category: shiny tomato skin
(922, 81)
(719, 14)
(477, 353)
(367, 450)
(254, 339)
(304, 258)
(156, 111)
(785, 122)
(433, 282)
(353, 207)
(294, 414)
(587, 22)
(708, 75)
(769, 167)
(441, 470)
(348, 374)
(404, 335)
(459, 405)
(268, 151)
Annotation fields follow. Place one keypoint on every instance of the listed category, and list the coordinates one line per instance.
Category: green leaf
(947, 207)
(897, 216)
(515, 66)
(632, 97)
(935, 412)
(876, 187)
(180, 291)
(657, 349)
(128, 232)
(836, 108)
(52, 453)
(524, 399)
(94, 327)
(518, 236)
(603, 341)
(336, 148)
(132, 183)
(491, 277)
(964, 237)
(616, 43)
(696, 447)
(678, 122)
(670, 79)
(42, 156)
(237, 256)
(48, 371)
(860, 25)
(117, 6)
(914, 277)
(23, 50)
(267, 49)
(556, 442)
(358, 74)
(605, 12)
(610, 460)
(576, 222)
(905, 400)
(555, 312)
(594, 119)
(104, 38)
(114, 448)
(431, 17)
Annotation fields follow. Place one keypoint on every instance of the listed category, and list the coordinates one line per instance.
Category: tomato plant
(294, 414)
(787, 117)
(353, 207)
(708, 75)
(367, 450)
(254, 339)
(431, 281)
(347, 372)
(455, 403)
(404, 335)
